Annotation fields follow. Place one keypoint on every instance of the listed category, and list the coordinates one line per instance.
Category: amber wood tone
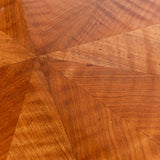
(54, 25)
(134, 51)
(79, 80)
(13, 86)
(115, 71)
(12, 21)
(40, 133)
(95, 133)
(11, 52)
(129, 94)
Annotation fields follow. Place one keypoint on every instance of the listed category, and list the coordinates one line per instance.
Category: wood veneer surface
(79, 80)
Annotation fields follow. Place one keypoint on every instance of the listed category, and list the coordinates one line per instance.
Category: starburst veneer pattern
(79, 80)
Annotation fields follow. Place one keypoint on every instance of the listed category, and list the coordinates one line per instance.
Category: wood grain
(53, 25)
(12, 21)
(134, 51)
(86, 74)
(94, 131)
(134, 96)
(13, 86)
(39, 133)
(12, 52)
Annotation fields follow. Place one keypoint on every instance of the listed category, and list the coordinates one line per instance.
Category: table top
(79, 79)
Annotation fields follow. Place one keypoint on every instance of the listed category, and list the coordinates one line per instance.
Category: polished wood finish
(93, 130)
(12, 21)
(54, 25)
(134, 51)
(79, 80)
(12, 52)
(13, 86)
(40, 133)
(129, 94)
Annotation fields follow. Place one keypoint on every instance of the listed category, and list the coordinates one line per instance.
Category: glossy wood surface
(79, 80)
(11, 51)
(13, 86)
(54, 25)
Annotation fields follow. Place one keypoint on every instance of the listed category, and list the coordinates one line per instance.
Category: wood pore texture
(79, 80)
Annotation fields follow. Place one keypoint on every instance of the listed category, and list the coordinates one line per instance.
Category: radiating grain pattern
(12, 21)
(39, 133)
(137, 51)
(94, 94)
(13, 86)
(11, 52)
(94, 131)
(134, 96)
(54, 25)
